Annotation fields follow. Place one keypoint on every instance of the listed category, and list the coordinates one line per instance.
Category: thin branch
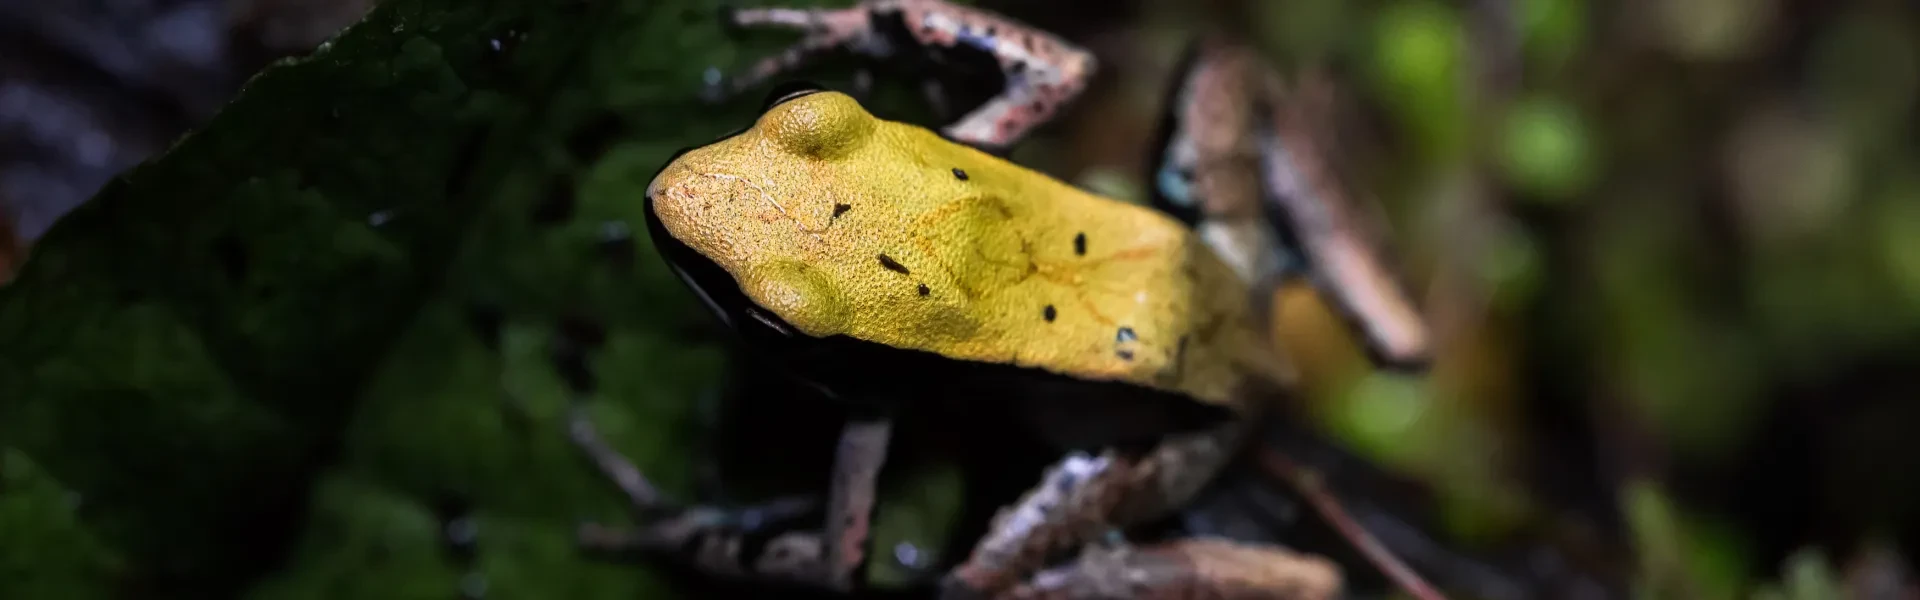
(644, 496)
(1307, 482)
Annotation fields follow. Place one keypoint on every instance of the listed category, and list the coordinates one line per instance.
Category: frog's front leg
(1042, 71)
(1202, 567)
(1082, 498)
(825, 30)
(753, 541)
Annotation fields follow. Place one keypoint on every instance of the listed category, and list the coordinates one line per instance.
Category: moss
(365, 542)
(49, 553)
(276, 357)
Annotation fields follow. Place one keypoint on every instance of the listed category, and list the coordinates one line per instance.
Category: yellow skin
(845, 224)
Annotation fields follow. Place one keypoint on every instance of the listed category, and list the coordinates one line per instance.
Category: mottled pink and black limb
(1202, 567)
(823, 31)
(1042, 71)
(763, 541)
(1083, 498)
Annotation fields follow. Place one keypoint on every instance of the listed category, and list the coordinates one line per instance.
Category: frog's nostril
(663, 189)
(674, 175)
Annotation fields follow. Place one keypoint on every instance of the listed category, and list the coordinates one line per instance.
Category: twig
(639, 491)
(1309, 485)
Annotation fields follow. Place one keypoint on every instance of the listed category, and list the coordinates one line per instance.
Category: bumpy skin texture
(844, 224)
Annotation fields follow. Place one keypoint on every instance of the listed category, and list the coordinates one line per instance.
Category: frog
(895, 267)
(1240, 154)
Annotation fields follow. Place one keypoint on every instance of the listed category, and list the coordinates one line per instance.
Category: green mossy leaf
(273, 357)
(48, 552)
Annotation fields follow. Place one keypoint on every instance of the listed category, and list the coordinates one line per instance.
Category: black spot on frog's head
(893, 265)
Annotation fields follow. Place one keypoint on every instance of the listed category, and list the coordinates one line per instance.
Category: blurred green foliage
(49, 551)
(1544, 148)
(1419, 69)
(1693, 222)
(342, 297)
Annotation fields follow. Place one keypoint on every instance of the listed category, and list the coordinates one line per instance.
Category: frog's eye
(822, 124)
(788, 91)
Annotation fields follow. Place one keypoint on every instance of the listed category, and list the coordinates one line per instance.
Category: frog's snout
(662, 183)
(653, 187)
(672, 190)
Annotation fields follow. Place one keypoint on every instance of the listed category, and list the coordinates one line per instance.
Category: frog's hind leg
(1246, 159)
(825, 30)
(1082, 498)
(1332, 231)
(756, 541)
(1201, 567)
